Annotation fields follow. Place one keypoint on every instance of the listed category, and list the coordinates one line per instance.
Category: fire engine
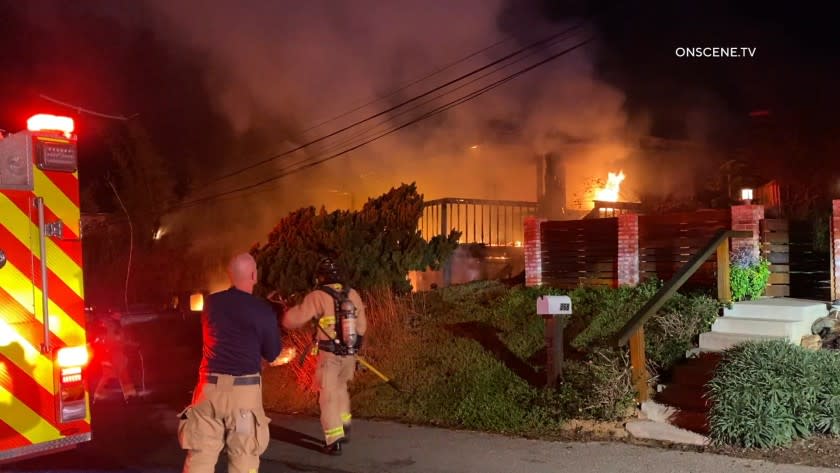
(44, 400)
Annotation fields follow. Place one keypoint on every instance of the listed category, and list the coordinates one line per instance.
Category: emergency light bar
(45, 122)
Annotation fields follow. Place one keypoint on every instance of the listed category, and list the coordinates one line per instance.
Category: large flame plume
(611, 190)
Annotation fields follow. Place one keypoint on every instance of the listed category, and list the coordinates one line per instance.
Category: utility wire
(130, 242)
(402, 104)
(408, 85)
(297, 168)
(81, 110)
(389, 119)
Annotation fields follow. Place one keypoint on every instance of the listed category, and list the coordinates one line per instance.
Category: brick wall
(628, 250)
(835, 250)
(747, 218)
(533, 252)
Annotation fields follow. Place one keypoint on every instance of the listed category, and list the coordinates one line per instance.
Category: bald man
(226, 411)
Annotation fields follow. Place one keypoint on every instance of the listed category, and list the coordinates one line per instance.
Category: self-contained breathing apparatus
(347, 340)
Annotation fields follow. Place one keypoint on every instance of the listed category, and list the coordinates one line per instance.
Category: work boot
(333, 448)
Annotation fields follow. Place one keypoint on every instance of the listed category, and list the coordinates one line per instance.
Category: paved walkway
(390, 447)
(142, 439)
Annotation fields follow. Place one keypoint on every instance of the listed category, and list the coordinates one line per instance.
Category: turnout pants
(333, 374)
(115, 370)
(226, 413)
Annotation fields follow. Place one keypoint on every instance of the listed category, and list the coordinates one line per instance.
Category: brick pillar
(628, 250)
(835, 250)
(533, 252)
(747, 218)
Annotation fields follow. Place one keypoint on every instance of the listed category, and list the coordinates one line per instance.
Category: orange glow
(610, 192)
(72, 356)
(287, 355)
(197, 302)
(44, 122)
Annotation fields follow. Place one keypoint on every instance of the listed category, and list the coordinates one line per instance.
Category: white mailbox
(554, 305)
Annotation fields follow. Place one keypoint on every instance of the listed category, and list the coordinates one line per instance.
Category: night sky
(117, 59)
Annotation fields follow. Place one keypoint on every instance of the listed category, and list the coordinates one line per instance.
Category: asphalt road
(141, 438)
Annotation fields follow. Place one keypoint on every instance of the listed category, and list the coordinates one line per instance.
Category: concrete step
(768, 327)
(718, 341)
(778, 308)
(694, 421)
(648, 429)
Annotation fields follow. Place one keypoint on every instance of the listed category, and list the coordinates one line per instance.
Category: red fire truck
(44, 404)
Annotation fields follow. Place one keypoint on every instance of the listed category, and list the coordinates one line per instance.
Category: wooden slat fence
(775, 246)
(576, 252)
(810, 274)
(667, 242)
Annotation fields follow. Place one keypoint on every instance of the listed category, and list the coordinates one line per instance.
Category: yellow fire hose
(375, 371)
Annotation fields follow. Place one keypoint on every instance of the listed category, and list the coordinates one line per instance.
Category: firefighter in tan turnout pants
(339, 315)
(226, 410)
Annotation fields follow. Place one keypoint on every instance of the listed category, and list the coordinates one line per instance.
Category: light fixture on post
(747, 195)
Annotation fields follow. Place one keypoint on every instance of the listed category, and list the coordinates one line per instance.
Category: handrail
(675, 283)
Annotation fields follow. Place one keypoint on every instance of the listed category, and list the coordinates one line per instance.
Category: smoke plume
(277, 71)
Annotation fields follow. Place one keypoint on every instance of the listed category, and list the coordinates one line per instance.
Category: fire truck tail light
(71, 375)
(44, 122)
(69, 357)
(72, 404)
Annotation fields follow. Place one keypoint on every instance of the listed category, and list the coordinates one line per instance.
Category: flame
(287, 355)
(197, 302)
(609, 193)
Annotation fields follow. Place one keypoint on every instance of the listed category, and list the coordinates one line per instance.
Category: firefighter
(226, 410)
(114, 361)
(336, 357)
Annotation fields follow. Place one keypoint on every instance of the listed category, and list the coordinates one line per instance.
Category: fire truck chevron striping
(44, 397)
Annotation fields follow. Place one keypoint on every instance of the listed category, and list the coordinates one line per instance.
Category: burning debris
(607, 203)
(611, 191)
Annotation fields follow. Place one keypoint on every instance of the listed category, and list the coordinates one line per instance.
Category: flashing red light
(68, 357)
(44, 122)
(760, 113)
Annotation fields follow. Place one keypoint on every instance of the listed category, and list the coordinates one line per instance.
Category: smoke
(277, 72)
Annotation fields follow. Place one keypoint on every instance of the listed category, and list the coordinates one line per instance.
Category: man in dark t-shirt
(226, 411)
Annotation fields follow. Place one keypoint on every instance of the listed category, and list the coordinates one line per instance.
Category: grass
(472, 356)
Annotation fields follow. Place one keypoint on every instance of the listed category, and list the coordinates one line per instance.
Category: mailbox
(550, 308)
(554, 305)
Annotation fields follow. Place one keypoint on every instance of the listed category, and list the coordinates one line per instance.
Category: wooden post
(723, 287)
(553, 349)
(638, 365)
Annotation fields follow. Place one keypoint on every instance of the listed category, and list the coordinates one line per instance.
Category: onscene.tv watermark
(716, 52)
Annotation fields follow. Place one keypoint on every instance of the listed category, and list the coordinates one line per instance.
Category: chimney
(551, 186)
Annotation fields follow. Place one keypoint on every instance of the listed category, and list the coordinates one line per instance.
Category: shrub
(376, 246)
(748, 274)
(767, 394)
(675, 328)
(598, 387)
(668, 334)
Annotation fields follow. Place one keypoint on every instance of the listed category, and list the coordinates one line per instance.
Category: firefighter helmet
(327, 272)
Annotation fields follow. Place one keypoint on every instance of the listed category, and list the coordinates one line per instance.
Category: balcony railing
(488, 222)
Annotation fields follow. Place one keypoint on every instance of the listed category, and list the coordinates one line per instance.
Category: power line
(81, 110)
(390, 118)
(395, 107)
(294, 169)
(408, 85)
